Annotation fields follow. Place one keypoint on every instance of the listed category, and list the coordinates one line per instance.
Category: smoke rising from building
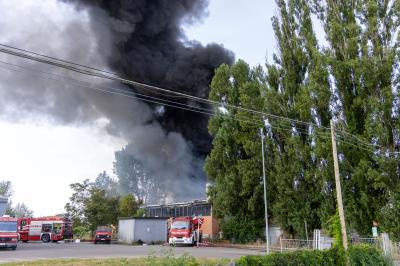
(149, 46)
(142, 40)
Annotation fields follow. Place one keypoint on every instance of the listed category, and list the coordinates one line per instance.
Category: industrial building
(142, 230)
(210, 227)
(197, 207)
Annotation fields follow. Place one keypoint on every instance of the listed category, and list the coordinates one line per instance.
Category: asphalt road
(36, 251)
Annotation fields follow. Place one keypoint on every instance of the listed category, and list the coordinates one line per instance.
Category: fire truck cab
(185, 230)
(8, 232)
(45, 229)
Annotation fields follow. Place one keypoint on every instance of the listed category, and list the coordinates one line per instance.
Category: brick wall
(210, 227)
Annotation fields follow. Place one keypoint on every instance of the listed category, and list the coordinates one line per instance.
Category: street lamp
(265, 190)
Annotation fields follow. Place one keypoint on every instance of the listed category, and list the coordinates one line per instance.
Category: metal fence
(295, 244)
(383, 243)
(375, 241)
(396, 250)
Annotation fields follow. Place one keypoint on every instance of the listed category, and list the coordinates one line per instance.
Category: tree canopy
(99, 203)
(350, 75)
(20, 209)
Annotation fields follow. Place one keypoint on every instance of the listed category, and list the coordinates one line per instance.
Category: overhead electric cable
(128, 94)
(109, 75)
(86, 70)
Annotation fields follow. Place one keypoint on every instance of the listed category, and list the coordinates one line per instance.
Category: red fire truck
(185, 230)
(8, 232)
(46, 229)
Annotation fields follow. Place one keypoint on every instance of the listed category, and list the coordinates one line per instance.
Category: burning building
(210, 227)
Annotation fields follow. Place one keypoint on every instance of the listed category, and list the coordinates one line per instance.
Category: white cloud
(42, 160)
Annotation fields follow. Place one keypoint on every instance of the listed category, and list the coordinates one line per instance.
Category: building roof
(195, 202)
(143, 218)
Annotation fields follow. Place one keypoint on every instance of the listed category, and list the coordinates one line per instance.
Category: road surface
(36, 251)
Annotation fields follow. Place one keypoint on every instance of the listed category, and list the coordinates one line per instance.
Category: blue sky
(241, 26)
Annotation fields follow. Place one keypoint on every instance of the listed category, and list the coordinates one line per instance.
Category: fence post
(386, 245)
(319, 240)
(280, 241)
(316, 239)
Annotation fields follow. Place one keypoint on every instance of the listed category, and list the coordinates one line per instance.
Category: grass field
(150, 261)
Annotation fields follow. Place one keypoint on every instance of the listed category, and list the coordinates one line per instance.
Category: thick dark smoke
(140, 40)
(150, 47)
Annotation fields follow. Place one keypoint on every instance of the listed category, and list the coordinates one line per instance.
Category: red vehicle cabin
(8, 232)
(103, 234)
(185, 230)
(45, 229)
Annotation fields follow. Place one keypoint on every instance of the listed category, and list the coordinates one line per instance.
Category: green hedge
(357, 255)
(367, 255)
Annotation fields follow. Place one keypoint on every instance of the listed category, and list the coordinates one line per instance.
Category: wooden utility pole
(338, 188)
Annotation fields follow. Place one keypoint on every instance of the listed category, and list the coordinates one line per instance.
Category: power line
(25, 69)
(86, 70)
(132, 95)
(109, 75)
(125, 93)
(56, 59)
(365, 146)
(151, 99)
(128, 94)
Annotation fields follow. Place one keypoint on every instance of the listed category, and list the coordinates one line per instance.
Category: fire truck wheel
(45, 238)
(25, 241)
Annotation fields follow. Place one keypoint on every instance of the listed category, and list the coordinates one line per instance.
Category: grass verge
(150, 261)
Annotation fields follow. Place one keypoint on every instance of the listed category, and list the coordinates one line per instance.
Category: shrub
(81, 232)
(242, 229)
(358, 255)
(366, 255)
(307, 257)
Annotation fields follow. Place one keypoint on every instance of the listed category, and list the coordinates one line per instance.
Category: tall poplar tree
(362, 54)
(299, 160)
(234, 164)
(352, 77)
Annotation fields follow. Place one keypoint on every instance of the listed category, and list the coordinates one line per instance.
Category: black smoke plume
(138, 39)
(151, 47)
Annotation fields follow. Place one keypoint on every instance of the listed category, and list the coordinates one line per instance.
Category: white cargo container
(142, 229)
